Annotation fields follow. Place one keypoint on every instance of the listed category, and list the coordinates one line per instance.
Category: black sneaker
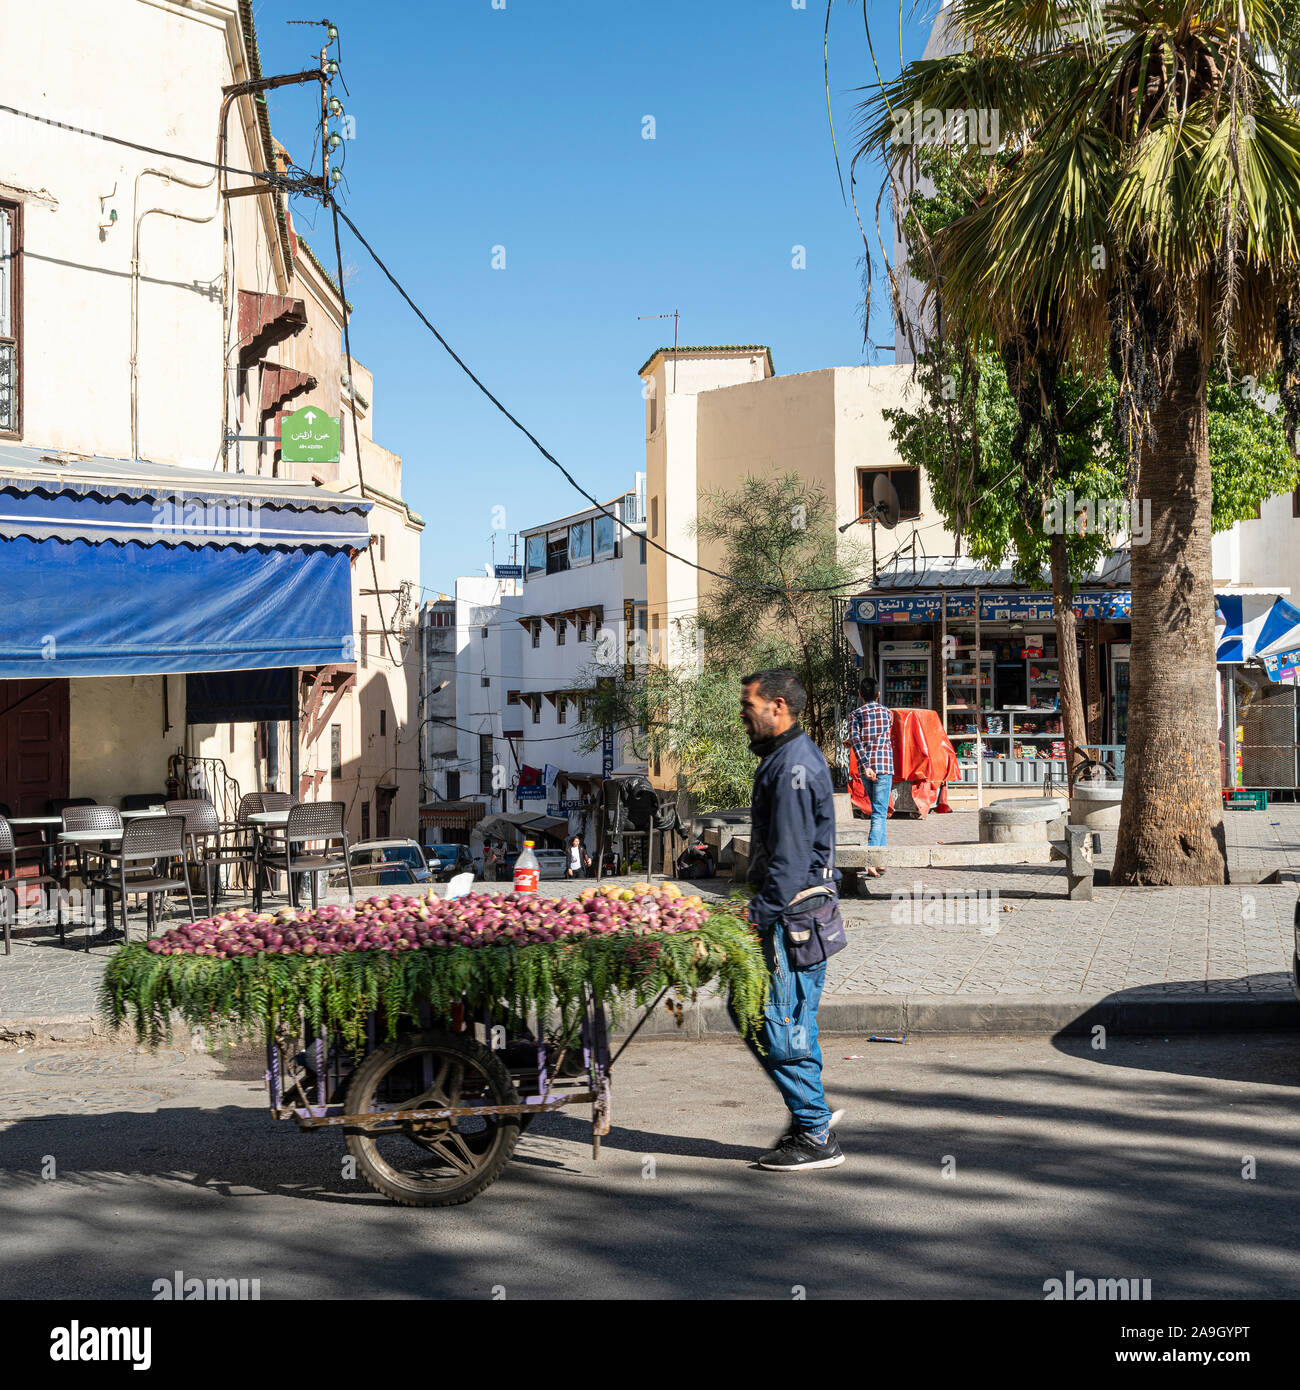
(792, 1129)
(800, 1153)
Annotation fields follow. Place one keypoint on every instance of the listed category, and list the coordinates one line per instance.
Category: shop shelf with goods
(1018, 691)
(905, 674)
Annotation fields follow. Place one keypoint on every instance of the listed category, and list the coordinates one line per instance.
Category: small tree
(779, 544)
(686, 715)
(784, 557)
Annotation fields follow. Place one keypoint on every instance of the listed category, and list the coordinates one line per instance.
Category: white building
(518, 658)
(470, 655)
(150, 307)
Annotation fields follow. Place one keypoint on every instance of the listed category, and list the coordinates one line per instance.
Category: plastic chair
(310, 823)
(11, 882)
(147, 843)
(203, 824)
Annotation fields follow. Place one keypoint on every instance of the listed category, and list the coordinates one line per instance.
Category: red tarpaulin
(923, 757)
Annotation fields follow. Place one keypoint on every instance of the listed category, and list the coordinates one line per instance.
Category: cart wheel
(432, 1163)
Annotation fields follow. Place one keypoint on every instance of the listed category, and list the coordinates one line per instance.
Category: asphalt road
(977, 1169)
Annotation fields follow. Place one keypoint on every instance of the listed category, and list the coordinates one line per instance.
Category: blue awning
(114, 568)
(1254, 625)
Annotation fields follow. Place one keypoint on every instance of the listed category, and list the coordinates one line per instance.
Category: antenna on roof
(676, 318)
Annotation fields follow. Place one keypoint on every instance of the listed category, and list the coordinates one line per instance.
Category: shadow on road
(1122, 1163)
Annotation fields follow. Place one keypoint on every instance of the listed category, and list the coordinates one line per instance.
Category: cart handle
(649, 1010)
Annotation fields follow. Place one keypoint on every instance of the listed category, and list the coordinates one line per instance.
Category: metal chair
(312, 822)
(147, 843)
(11, 882)
(203, 824)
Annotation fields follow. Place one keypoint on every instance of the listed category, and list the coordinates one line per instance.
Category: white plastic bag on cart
(458, 887)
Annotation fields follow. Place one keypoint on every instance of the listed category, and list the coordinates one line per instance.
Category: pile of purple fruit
(400, 923)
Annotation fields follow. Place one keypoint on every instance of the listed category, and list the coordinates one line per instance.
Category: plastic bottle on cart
(527, 870)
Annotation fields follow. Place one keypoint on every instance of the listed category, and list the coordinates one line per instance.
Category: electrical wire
(568, 477)
(284, 181)
(293, 182)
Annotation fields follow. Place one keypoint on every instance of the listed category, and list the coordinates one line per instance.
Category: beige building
(149, 307)
(717, 414)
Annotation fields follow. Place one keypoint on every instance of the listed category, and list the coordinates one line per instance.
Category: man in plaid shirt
(870, 738)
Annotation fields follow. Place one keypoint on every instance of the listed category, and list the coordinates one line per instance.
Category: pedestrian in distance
(792, 855)
(871, 738)
(576, 856)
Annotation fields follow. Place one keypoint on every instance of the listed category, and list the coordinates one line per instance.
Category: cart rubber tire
(502, 1091)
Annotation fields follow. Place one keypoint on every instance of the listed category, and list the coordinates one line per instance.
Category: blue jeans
(800, 1081)
(878, 792)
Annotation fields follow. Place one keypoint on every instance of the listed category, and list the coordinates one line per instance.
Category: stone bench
(1023, 820)
(1096, 804)
(852, 854)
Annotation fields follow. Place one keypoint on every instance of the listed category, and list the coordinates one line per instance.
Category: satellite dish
(885, 496)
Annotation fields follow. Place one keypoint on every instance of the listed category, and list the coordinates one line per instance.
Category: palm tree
(1148, 214)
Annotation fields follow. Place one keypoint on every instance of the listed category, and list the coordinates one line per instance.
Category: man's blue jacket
(792, 819)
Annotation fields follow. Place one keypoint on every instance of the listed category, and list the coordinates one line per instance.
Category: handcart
(432, 1115)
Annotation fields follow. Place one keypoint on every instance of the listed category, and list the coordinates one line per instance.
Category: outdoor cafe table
(40, 823)
(136, 815)
(269, 818)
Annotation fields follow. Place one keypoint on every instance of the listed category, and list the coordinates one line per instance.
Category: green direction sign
(309, 436)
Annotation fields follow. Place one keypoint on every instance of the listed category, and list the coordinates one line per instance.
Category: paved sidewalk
(947, 950)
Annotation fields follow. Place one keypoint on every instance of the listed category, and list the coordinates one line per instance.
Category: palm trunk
(1067, 650)
(1171, 824)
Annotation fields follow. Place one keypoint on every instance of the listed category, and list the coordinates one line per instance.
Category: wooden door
(33, 744)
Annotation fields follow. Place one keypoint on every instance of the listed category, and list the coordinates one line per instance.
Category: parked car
(446, 861)
(375, 854)
(550, 862)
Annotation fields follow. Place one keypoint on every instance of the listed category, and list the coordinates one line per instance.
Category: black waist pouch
(814, 928)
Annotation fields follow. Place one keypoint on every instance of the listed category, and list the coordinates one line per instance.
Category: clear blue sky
(477, 127)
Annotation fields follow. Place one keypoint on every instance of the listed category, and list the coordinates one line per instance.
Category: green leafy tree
(778, 541)
(775, 536)
(688, 716)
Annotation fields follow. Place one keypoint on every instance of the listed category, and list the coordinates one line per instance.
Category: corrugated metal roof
(947, 572)
(683, 350)
(27, 468)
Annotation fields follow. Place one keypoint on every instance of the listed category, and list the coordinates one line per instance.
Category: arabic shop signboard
(309, 436)
(994, 607)
(1015, 608)
(896, 608)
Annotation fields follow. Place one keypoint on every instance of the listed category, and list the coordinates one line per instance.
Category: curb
(1035, 1015)
(892, 1015)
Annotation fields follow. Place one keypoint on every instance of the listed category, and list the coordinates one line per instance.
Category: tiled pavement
(970, 941)
(1015, 932)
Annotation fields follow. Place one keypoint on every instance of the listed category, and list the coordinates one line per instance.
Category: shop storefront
(983, 653)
